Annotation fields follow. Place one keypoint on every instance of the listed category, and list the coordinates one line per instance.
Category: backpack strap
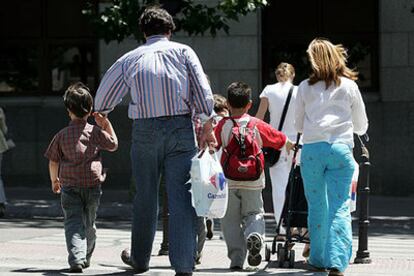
(251, 124)
(235, 124)
(229, 133)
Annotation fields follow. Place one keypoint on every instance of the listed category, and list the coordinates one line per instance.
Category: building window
(48, 45)
(19, 68)
(289, 26)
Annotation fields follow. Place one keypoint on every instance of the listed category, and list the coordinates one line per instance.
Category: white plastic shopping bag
(208, 186)
(353, 188)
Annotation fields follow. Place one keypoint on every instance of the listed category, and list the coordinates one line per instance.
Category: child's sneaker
(198, 258)
(209, 224)
(77, 268)
(87, 262)
(254, 246)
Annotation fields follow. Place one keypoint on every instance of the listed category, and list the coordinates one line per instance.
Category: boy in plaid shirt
(75, 168)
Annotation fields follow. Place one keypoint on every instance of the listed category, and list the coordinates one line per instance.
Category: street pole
(164, 244)
(362, 255)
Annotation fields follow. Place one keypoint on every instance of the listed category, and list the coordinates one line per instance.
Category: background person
(5, 144)
(167, 85)
(205, 226)
(329, 110)
(273, 99)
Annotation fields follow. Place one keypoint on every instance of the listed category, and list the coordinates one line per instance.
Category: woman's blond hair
(328, 62)
(285, 72)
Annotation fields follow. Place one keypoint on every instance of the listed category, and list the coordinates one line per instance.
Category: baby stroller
(294, 214)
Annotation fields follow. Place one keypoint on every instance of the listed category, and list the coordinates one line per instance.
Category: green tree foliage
(119, 19)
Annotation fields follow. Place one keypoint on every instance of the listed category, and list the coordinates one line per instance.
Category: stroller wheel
(274, 245)
(267, 253)
(281, 252)
(279, 246)
(292, 258)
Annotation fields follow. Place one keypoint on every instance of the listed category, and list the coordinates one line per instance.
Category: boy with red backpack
(242, 138)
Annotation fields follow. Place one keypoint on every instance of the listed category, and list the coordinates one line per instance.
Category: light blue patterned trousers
(327, 173)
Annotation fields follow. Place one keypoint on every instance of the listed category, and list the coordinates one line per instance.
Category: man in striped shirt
(167, 85)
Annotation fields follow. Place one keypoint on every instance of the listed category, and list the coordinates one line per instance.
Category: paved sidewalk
(391, 241)
(37, 247)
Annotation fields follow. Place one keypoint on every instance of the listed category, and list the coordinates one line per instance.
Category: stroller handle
(297, 147)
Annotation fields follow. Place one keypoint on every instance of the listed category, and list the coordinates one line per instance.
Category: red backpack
(242, 158)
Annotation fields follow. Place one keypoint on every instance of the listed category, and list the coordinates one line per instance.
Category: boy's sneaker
(87, 263)
(209, 225)
(254, 246)
(236, 268)
(77, 268)
(198, 258)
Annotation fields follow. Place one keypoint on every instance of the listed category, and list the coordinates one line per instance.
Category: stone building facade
(244, 55)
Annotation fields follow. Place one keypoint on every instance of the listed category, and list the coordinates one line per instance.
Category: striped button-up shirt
(164, 78)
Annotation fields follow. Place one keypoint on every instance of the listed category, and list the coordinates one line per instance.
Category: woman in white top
(329, 110)
(273, 98)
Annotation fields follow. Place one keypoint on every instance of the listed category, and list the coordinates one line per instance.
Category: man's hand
(101, 120)
(208, 138)
(56, 186)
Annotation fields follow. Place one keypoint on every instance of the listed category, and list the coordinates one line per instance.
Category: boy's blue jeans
(79, 208)
(327, 173)
(163, 145)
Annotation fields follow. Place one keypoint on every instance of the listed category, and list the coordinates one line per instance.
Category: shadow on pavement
(45, 222)
(57, 272)
(298, 265)
(272, 264)
(43, 271)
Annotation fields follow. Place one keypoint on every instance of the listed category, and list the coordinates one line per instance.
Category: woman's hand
(289, 146)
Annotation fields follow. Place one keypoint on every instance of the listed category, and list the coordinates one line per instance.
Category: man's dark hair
(156, 21)
(238, 94)
(78, 99)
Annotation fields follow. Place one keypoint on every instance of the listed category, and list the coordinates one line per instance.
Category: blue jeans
(163, 145)
(79, 208)
(327, 174)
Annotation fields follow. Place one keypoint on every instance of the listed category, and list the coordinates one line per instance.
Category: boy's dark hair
(220, 103)
(78, 99)
(239, 94)
(156, 21)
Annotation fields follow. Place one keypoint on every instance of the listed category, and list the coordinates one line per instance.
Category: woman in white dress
(273, 98)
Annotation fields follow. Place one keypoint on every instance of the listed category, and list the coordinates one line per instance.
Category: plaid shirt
(76, 149)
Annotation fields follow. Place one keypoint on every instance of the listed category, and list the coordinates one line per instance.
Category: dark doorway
(289, 26)
(46, 46)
